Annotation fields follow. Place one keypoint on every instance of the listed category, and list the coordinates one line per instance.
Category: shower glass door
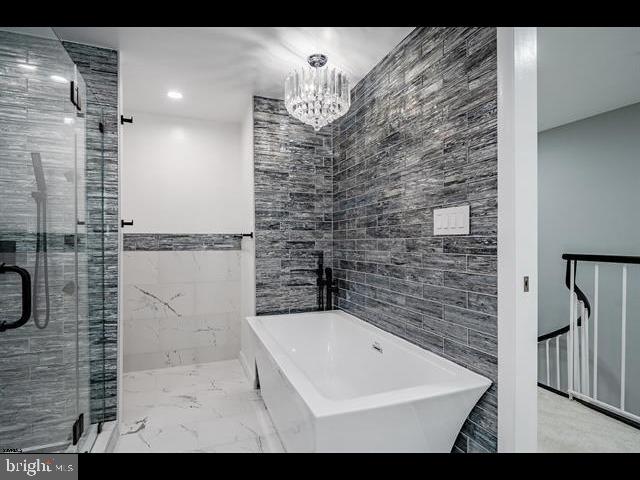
(44, 321)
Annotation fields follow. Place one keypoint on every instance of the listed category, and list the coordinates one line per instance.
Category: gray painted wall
(589, 196)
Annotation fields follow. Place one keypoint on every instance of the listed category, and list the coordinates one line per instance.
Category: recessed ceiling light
(26, 66)
(69, 121)
(58, 78)
(173, 94)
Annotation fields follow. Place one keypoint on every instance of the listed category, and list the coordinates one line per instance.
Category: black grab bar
(26, 296)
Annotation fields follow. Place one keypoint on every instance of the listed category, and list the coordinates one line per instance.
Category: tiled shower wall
(99, 68)
(420, 134)
(42, 385)
(293, 229)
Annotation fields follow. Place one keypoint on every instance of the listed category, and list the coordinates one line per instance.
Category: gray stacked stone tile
(42, 385)
(293, 197)
(180, 242)
(421, 134)
(99, 68)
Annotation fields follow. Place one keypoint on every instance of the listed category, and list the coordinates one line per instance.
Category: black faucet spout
(329, 284)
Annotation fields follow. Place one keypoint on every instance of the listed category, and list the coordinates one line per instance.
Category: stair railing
(582, 371)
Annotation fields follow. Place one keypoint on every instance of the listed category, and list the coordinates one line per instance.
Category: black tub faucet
(320, 281)
(330, 286)
(326, 285)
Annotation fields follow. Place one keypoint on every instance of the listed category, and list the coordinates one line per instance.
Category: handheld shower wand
(41, 241)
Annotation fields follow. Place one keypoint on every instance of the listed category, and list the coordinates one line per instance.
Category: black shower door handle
(26, 296)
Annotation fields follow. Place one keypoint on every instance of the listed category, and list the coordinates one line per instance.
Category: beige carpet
(567, 426)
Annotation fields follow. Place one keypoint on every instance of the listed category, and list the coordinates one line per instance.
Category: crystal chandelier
(317, 95)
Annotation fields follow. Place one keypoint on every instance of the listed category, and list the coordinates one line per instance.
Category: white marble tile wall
(180, 307)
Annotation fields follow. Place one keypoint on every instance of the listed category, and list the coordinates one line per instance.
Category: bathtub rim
(322, 406)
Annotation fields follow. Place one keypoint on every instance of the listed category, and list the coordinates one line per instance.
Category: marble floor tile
(208, 407)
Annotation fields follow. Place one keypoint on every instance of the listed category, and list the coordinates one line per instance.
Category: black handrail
(601, 258)
(579, 293)
(584, 257)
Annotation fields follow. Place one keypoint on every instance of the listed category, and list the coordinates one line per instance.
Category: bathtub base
(429, 424)
(426, 426)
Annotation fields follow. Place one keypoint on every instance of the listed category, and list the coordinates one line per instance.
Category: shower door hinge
(525, 283)
(75, 95)
(78, 428)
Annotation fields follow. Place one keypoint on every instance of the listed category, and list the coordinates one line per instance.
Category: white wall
(182, 175)
(517, 239)
(185, 176)
(248, 268)
(248, 258)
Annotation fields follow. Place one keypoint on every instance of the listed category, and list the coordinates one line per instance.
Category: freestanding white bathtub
(334, 383)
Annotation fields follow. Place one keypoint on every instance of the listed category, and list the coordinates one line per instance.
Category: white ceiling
(584, 71)
(218, 69)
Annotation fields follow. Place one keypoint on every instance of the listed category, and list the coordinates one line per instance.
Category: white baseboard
(107, 439)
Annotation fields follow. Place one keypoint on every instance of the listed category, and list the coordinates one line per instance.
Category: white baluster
(570, 378)
(580, 315)
(595, 331)
(586, 351)
(584, 347)
(558, 362)
(546, 344)
(623, 346)
(576, 348)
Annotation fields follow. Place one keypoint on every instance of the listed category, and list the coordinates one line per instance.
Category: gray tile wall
(421, 134)
(99, 68)
(293, 203)
(180, 242)
(40, 377)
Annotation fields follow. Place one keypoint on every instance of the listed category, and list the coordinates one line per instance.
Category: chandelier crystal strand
(317, 95)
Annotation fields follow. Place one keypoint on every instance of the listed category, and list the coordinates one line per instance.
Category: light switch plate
(451, 221)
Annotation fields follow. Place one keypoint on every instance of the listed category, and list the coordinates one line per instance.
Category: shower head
(38, 172)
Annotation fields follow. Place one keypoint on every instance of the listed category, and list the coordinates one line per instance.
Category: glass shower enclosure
(50, 326)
